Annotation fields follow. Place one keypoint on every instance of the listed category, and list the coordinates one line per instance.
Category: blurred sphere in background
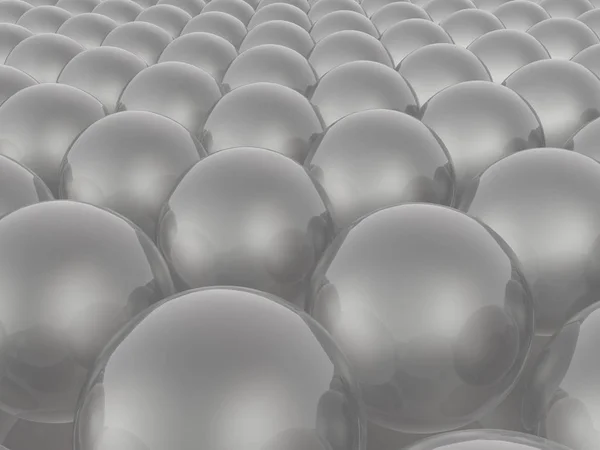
(88, 29)
(324, 7)
(12, 81)
(520, 14)
(121, 11)
(563, 37)
(44, 19)
(170, 18)
(76, 7)
(145, 40)
(280, 32)
(566, 8)
(237, 8)
(280, 11)
(12, 10)
(342, 20)
(219, 23)
(468, 24)
(10, 36)
(438, 10)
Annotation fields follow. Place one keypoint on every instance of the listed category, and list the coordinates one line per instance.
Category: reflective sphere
(220, 24)
(435, 67)
(504, 51)
(324, 7)
(133, 179)
(12, 10)
(566, 8)
(237, 8)
(589, 58)
(304, 5)
(342, 20)
(373, 159)
(280, 32)
(450, 347)
(394, 13)
(480, 123)
(88, 29)
(360, 86)
(192, 7)
(489, 5)
(39, 123)
(409, 35)
(468, 24)
(41, 2)
(265, 115)
(242, 371)
(102, 72)
(554, 236)
(346, 46)
(10, 36)
(280, 11)
(145, 3)
(438, 10)
(591, 19)
(563, 37)
(207, 51)
(44, 19)
(564, 95)
(121, 11)
(585, 141)
(168, 17)
(245, 217)
(273, 64)
(145, 40)
(108, 272)
(76, 7)
(43, 56)
(520, 14)
(12, 81)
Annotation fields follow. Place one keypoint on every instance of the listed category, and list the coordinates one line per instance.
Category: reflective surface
(237, 8)
(280, 11)
(263, 115)
(88, 30)
(431, 311)
(280, 32)
(43, 19)
(585, 141)
(239, 370)
(563, 37)
(145, 40)
(591, 19)
(107, 272)
(304, 5)
(521, 14)
(10, 36)
(220, 24)
(342, 20)
(129, 162)
(394, 13)
(438, 10)
(170, 18)
(192, 7)
(323, 7)
(380, 158)
(121, 11)
(590, 59)
(12, 81)
(566, 8)
(76, 7)
(12, 10)
(245, 217)
(468, 24)
(554, 236)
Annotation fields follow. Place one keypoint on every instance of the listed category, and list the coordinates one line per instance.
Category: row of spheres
(422, 311)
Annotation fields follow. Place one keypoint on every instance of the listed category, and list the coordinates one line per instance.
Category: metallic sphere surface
(521, 14)
(12, 81)
(145, 40)
(324, 7)
(466, 25)
(564, 37)
(396, 12)
(280, 32)
(585, 141)
(280, 11)
(88, 29)
(76, 7)
(170, 18)
(342, 20)
(237, 8)
(438, 10)
(44, 19)
(10, 36)
(192, 7)
(566, 8)
(121, 11)
(218, 23)
(12, 10)
(591, 19)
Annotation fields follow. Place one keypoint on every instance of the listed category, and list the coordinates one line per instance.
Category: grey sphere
(192, 7)
(77, 7)
(566, 8)
(170, 18)
(10, 36)
(468, 24)
(145, 40)
(44, 19)
(280, 11)
(521, 14)
(237, 8)
(304, 5)
(88, 29)
(121, 11)
(438, 10)
(324, 7)
(563, 37)
(12, 10)
(591, 19)
(342, 20)
(219, 23)
(396, 12)
(589, 58)
(585, 140)
(12, 81)
(280, 32)
(490, 5)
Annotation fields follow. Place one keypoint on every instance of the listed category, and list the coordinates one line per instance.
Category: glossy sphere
(521, 14)
(505, 51)
(590, 59)
(324, 7)
(44, 19)
(566, 8)
(12, 10)
(108, 271)
(280, 32)
(192, 7)
(145, 40)
(394, 13)
(436, 67)
(220, 24)
(170, 18)
(245, 217)
(280, 11)
(361, 86)
(373, 159)
(77, 7)
(237, 8)
(241, 369)
(564, 95)
(438, 10)
(10, 36)
(468, 24)
(342, 20)
(102, 72)
(88, 29)
(432, 312)
(39, 123)
(12, 81)
(121, 11)
(591, 19)
(563, 37)
(133, 179)
(265, 115)
(490, 5)
(304, 5)
(585, 141)
(480, 123)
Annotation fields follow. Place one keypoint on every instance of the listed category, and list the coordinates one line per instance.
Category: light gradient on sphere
(44, 19)
(121, 11)
(489, 5)
(323, 7)
(347, 46)
(397, 12)
(61, 312)
(361, 86)
(302, 4)
(168, 17)
(585, 141)
(272, 64)
(468, 24)
(144, 3)
(438, 10)
(591, 19)
(88, 29)
(280, 32)
(192, 7)
(589, 58)
(240, 368)
(42, 2)
(340, 21)
(480, 123)
(505, 51)
(10, 36)
(207, 51)
(245, 217)
(379, 158)
(25, 435)
(76, 7)
(12, 10)
(564, 37)
(265, 115)
(38, 124)
(102, 72)
(372, 6)
(566, 8)
(145, 40)
(409, 35)
(237, 8)
(220, 24)
(129, 162)
(280, 11)
(12, 81)
(432, 312)
(543, 204)
(521, 14)
(565, 96)
(433, 68)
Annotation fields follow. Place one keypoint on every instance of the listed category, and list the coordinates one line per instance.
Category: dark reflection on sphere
(566, 8)
(564, 95)
(121, 11)
(342, 20)
(76, 7)
(108, 271)
(591, 19)
(10, 36)
(168, 17)
(240, 369)
(450, 347)
(192, 7)
(12, 81)
(269, 236)
(88, 29)
(521, 14)
(237, 8)
(44, 19)
(468, 24)
(145, 40)
(280, 32)
(563, 37)
(280, 11)
(218, 23)
(394, 13)
(12, 10)
(323, 7)
(438, 10)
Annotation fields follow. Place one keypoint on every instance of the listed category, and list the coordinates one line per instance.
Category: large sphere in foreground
(221, 368)
(432, 312)
(72, 275)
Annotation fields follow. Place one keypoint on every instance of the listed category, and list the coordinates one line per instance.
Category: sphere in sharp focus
(241, 370)
(409, 35)
(273, 64)
(591, 19)
(44, 19)
(237, 8)
(373, 159)
(168, 17)
(438, 10)
(192, 7)
(342, 20)
(280, 32)
(38, 125)
(129, 162)
(432, 312)
(88, 29)
(468, 24)
(435, 67)
(394, 13)
(280, 11)
(554, 236)
(564, 95)
(245, 217)
(265, 115)
(121, 11)
(59, 312)
(361, 86)
(10, 36)
(12, 81)
(324, 7)
(563, 37)
(505, 51)
(145, 40)
(566, 8)
(480, 123)
(12, 10)
(220, 24)
(521, 14)
(207, 51)
(77, 7)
